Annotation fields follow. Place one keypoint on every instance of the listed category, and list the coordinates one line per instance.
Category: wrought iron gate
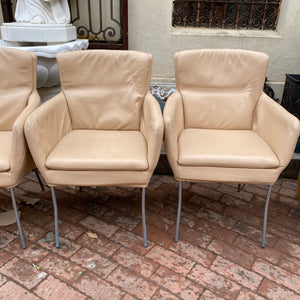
(103, 22)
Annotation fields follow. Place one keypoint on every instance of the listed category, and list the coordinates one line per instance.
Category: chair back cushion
(220, 87)
(105, 89)
(17, 80)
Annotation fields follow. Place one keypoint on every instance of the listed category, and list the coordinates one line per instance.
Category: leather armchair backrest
(105, 89)
(17, 80)
(220, 87)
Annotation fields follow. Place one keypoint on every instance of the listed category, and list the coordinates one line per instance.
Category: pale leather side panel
(152, 127)
(5, 141)
(277, 127)
(45, 127)
(230, 175)
(98, 178)
(21, 161)
(174, 124)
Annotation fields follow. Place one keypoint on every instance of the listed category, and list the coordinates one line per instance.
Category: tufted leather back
(220, 87)
(105, 89)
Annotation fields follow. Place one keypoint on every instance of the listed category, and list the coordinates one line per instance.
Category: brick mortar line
(133, 273)
(76, 289)
(280, 285)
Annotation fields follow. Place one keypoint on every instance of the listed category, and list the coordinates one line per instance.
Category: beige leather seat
(104, 128)
(18, 99)
(220, 125)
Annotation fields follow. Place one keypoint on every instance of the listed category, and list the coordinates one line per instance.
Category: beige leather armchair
(220, 126)
(103, 129)
(18, 99)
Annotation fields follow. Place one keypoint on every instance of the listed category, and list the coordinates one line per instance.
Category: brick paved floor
(101, 256)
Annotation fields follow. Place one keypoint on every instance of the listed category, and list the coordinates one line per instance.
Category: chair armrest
(277, 127)
(19, 149)
(45, 127)
(152, 127)
(174, 124)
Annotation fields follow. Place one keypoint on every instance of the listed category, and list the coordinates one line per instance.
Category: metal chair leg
(36, 171)
(178, 210)
(55, 217)
(13, 198)
(144, 217)
(266, 217)
(240, 186)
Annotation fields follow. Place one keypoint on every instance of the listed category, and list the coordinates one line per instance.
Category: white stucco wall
(1, 19)
(150, 30)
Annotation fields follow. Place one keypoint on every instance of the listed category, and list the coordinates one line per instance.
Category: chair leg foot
(144, 217)
(263, 243)
(13, 198)
(239, 187)
(178, 210)
(37, 174)
(55, 217)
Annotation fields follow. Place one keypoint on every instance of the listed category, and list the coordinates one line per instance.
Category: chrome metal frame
(144, 217)
(15, 206)
(263, 244)
(56, 217)
(178, 210)
(37, 174)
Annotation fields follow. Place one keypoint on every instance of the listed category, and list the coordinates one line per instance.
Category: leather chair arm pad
(18, 143)
(152, 128)
(277, 127)
(45, 127)
(174, 124)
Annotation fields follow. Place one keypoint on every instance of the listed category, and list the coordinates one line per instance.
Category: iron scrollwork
(227, 14)
(101, 22)
(96, 30)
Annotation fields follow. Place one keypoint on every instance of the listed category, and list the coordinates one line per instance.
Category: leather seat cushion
(5, 140)
(83, 150)
(225, 148)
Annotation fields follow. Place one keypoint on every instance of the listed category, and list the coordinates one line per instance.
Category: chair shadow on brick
(18, 99)
(221, 127)
(103, 129)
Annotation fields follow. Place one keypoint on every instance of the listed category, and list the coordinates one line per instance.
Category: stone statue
(43, 11)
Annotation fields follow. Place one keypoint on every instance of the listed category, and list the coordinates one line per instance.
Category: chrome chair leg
(178, 210)
(13, 198)
(263, 244)
(239, 187)
(37, 174)
(55, 217)
(144, 217)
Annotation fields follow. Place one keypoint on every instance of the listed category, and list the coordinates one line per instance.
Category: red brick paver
(12, 291)
(218, 255)
(23, 273)
(54, 289)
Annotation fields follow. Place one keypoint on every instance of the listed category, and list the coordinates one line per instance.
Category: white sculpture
(43, 11)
